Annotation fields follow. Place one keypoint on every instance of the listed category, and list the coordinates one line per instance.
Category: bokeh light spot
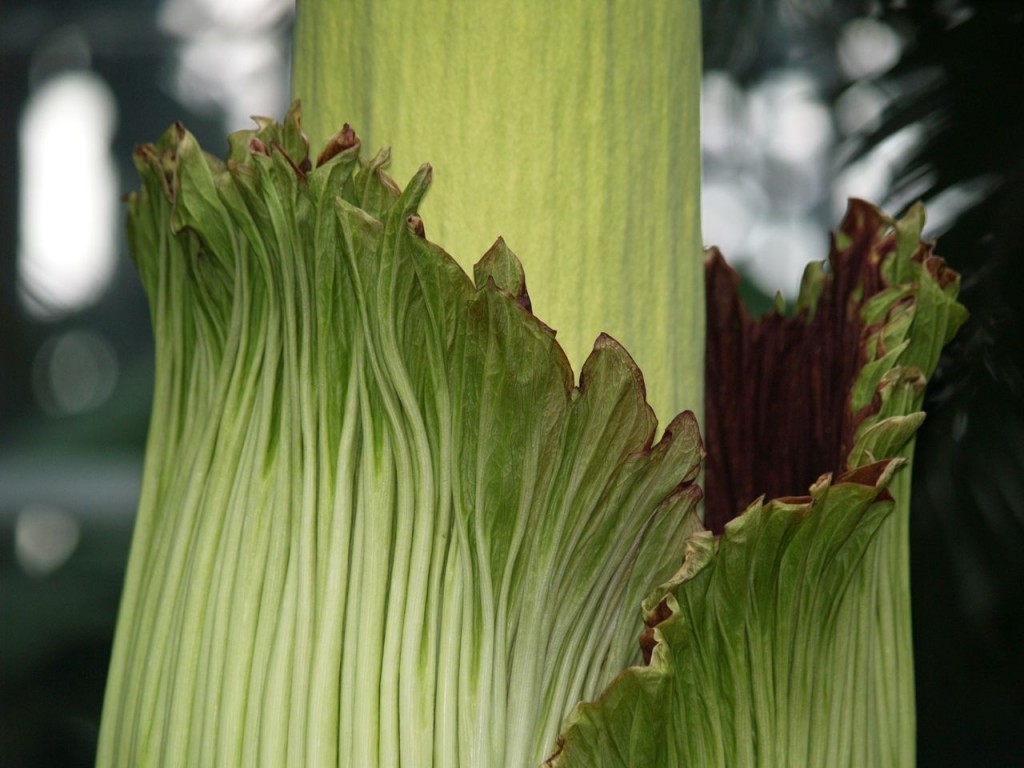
(74, 373)
(44, 538)
(69, 195)
(867, 48)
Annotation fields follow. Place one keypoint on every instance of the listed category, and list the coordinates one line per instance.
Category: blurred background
(806, 103)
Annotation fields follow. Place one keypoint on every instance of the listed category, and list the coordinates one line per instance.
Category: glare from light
(868, 179)
(789, 117)
(185, 18)
(44, 538)
(780, 250)
(241, 77)
(729, 208)
(867, 48)
(872, 176)
(797, 188)
(74, 373)
(945, 208)
(723, 113)
(860, 108)
(68, 194)
(231, 60)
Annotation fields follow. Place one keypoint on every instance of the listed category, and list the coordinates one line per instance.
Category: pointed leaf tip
(502, 266)
(343, 141)
(607, 344)
(416, 189)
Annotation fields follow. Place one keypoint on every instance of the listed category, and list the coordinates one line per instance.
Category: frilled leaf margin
(381, 523)
(784, 638)
(794, 393)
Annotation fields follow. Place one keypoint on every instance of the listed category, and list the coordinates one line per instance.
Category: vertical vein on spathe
(383, 527)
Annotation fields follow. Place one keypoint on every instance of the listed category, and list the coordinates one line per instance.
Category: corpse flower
(384, 523)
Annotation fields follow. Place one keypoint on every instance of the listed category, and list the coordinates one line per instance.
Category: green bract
(380, 525)
(786, 639)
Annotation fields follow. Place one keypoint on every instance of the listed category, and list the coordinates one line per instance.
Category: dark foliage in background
(964, 71)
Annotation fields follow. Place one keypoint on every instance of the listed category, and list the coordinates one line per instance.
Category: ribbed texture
(785, 637)
(379, 524)
(568, 128)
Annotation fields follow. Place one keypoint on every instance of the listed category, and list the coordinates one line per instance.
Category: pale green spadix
(569, 128)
